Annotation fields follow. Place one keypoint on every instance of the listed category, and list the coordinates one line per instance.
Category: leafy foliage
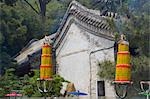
(140, 68)
(27, 85)
(30, 88)
(9, 82)
(16, 27)
(9, 2)
(106, 69)
(56, 85)
(6, 62)
(133, 21)
(30, 85)
(138, 31)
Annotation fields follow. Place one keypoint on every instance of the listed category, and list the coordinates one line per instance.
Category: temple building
(83, 39)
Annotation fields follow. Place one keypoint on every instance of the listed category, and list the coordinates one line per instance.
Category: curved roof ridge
(96, 12)
(88, 12)
(84, 15)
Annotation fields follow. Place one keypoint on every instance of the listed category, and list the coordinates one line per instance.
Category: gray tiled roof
(87, 18)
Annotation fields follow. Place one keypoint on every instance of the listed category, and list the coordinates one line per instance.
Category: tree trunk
(43, 14)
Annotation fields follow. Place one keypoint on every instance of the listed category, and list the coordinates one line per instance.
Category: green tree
(17, 27)
(30, 85)
(137, 32)
(9, 82)
(9, 2)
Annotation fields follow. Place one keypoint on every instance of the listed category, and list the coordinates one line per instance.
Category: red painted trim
(46, 45)
(123, 52)
(124, 65)
(46, 66)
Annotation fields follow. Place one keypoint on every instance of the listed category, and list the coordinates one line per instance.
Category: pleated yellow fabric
(123, 67)
(46, 62)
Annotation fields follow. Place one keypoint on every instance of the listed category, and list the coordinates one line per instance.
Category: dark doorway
(101, 88)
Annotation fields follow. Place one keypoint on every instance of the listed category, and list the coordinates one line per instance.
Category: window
(101, 88)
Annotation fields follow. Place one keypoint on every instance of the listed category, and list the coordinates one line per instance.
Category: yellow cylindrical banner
(46, 59)
(46, 49)
(123, 57)
(123, 46)
(123, 67)
(46, 62)
(123, 72)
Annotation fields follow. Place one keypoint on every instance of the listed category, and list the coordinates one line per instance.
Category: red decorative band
(123, 52)
(124, 65)
(45, 66)
(46, 45)
(45, 78)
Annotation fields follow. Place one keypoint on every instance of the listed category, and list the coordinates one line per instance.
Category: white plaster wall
(75, 68)
(97, 43)
(109, 90)
(98, 57)
(95, 58)
(73, 60)
(74, 41)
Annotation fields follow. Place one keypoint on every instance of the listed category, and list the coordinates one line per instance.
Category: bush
(106, 69)
(28, 85)
(30, 88)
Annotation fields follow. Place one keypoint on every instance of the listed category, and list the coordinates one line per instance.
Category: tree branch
(42, 7)
(37, 6)
(31, 6)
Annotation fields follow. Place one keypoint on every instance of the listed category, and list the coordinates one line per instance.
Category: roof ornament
(47, 40)
(123, 37)
(123, 40)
